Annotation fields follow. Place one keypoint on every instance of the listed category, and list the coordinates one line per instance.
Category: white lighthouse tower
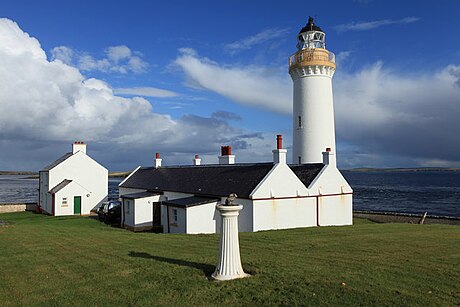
(311, 69)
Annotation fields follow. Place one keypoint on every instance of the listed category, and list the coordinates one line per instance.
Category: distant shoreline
(358, 169)
(402, 169)
(34, 175)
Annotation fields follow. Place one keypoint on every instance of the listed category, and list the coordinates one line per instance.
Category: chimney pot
(197, 160)
(226, 156)
(226, 150)
(157, 160)
(279, 141)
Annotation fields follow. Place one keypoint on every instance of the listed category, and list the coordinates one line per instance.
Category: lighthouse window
(300, 121)
(300, 160)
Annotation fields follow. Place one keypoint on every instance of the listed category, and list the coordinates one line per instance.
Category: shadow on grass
(206, 268)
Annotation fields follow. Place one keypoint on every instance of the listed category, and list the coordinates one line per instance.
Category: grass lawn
(79, 261)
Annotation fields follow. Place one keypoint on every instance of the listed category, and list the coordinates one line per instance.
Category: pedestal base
(217, 277)
(229, 263)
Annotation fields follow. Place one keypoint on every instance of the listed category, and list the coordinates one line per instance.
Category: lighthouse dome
(310, 26)
(311, 36)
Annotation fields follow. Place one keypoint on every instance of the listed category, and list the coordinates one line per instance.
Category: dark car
(110, 212)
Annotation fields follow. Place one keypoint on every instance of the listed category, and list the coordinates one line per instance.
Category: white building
(182, 199)
(74, 184)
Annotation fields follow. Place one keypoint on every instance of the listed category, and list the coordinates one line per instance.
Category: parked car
(110, 212)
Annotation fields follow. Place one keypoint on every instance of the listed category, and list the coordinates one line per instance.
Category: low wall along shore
(5, 208)
(395, 217)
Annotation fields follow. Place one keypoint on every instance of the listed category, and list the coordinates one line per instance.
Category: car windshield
(114, 204)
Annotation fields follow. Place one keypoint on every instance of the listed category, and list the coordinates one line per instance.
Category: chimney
(78, 146)
(226, 156)
(279, 154)
(197, 160)
(157, 160)
(329, 157)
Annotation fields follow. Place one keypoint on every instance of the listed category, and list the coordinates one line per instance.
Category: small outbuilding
(74, 184)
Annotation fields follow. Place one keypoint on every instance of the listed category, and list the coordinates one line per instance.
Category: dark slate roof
(209, 180)
(140, 195)
(58, 161)
(212, 180)
(307, 172)
(310, 26)
(60, 186)
(190, 201)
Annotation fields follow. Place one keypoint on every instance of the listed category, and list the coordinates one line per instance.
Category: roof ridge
(210, 165)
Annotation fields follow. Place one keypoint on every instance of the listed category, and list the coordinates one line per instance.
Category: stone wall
(5, 208)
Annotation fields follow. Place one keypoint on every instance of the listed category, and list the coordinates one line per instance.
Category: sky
(132, 78)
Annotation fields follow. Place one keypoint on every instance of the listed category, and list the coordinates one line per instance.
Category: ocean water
(437, 192)
(22, 189)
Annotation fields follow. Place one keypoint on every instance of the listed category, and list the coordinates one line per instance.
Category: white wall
(88, 174)
(284, 213)
(335, 210)
(202, 218)
(143, 210)
(69, 192)
(329, 181)
(279, 182)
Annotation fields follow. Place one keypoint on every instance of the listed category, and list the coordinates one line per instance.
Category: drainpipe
(167, 217)
(317, 210)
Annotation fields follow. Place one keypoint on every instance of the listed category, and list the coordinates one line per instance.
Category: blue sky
(184, 77)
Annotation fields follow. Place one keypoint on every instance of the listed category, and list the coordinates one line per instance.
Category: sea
(415, 192)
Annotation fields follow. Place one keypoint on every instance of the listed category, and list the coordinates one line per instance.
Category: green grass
(56, 261)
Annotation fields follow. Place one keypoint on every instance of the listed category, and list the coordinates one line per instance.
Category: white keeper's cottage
(275, 195)
(309, 192)
(74, 184)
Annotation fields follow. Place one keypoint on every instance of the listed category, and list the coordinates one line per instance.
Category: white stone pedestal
(229, 261)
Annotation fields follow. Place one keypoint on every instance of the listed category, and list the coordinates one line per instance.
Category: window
(300, 160)
(64, 202)
(300, 121)
(127, 206)
(174, 215)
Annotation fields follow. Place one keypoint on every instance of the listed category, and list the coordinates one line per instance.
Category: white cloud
(413, 116)
(45, 104)
(117, 53)
(119, 59)
(145, 91)
(342, 56)
(259, 38)
(368, 25)
(249, 85)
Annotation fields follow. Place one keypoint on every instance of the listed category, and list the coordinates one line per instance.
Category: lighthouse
(312, 68)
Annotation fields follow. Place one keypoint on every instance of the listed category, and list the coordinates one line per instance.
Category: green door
(77, 205)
